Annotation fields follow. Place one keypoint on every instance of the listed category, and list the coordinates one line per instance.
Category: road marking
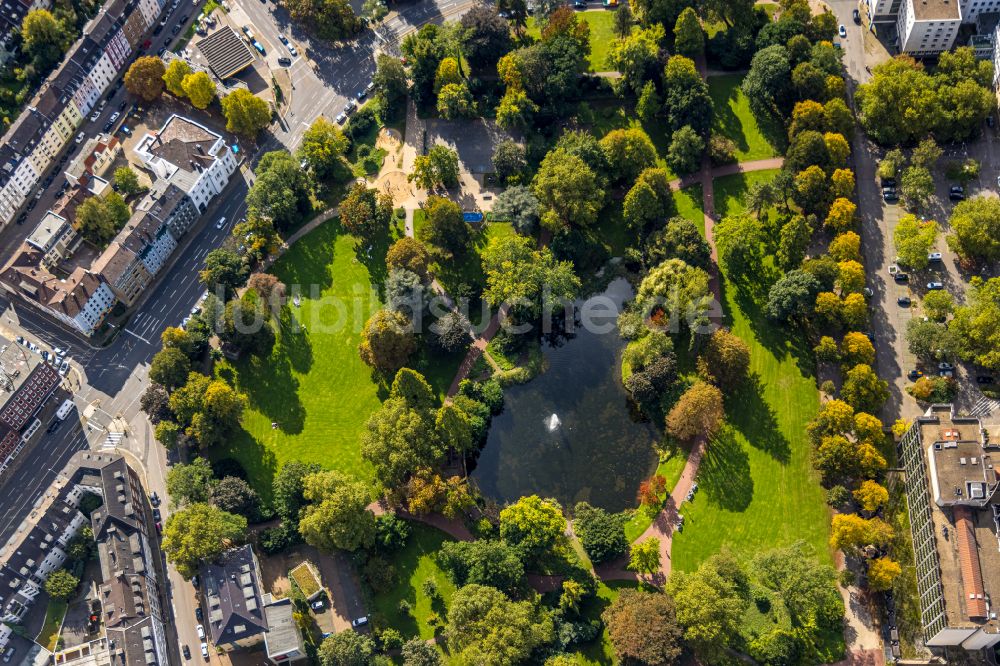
(138, 336)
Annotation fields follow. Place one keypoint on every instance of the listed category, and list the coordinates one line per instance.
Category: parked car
(156, 513)
(45, 356)
(580, 4)
(95, 115)
(283, 39)
(187, 651)
(154, 499)
(934, 286)
(19, 340)
(204, 651)
(914, 375)
(943, 365)
(198, 615)
(956, 192)
(64, 368)
(350, 106)
(284, 62)
(317, 605)
(934, 257)
(842, 31)
(80, 137)
(201, 631)
(293, 51)
(901, 277)
(341, 117)
(856, 15)
(108, 125)
(903, 301)
(889, 194)
(360, 622)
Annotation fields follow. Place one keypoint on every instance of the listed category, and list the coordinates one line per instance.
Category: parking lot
(943, 271)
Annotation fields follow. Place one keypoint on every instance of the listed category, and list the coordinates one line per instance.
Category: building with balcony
(190, 156)
(951, 489)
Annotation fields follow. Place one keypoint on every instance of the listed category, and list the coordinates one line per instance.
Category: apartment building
(17, 416)
(94, 159)
(120, 274)
(928, 27)
(190, 156)
(951, 489)
(80, 301)
(55, 238)
(37, 137)
(128, 550)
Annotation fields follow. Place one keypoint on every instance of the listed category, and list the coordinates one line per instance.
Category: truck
(65, 409)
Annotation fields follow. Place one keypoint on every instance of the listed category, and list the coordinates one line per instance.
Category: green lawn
(601, 35)
(733, 118)
(757, 486)
(414, 564)
(49, 633)
(731, 190)
(671, 468)
(314, 384)
(690, 205)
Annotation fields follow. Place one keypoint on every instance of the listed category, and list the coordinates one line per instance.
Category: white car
(80, 137)
(201, 631)
(317, 605)
(221, 223)
(943, 365)
(204, 650)
(114, 116)
(842, 31)
(360, 622)
(934, 256)
(95, 115)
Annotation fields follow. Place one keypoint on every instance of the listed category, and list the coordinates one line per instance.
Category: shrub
(360, 123)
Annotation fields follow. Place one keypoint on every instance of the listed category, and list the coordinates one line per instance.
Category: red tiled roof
(968, 558)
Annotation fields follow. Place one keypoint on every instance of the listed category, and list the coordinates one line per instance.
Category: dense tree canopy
(337, 515)
(643, 628)
(485, 627)
(976, 326)
(197, 533)
(530, 280)
(532, 524)
(246, 114)
(975, 226)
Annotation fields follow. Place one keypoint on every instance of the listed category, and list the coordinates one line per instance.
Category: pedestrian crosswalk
(984, 407)
(112, 440)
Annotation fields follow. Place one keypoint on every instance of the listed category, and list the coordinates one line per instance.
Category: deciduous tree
(245, 113)
(337, 515)
(643, 627)
(533, 524)
(198, 88)
(438, 168)
(198, 533)
(387, 341)
(144, 78)
(322, 149)
(366, 212)
(698, 412)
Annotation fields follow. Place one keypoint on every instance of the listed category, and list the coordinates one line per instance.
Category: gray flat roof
(226, 53)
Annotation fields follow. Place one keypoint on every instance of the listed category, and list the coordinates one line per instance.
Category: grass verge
(54, 614)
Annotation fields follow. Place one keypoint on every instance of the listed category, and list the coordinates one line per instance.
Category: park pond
(595, 449)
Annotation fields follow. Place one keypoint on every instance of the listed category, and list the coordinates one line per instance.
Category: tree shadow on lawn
(750, 296)
(371, 255)
(748, 413)
(258, 461)
(724, 120)
(305, 268)
(725, 472)
(293, 341)
(272, 389)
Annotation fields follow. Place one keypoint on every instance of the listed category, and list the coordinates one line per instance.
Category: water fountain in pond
(552, 423)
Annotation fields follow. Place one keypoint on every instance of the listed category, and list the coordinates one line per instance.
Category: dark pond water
(597, 453)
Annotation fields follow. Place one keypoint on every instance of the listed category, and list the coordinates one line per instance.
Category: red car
(146, 44)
